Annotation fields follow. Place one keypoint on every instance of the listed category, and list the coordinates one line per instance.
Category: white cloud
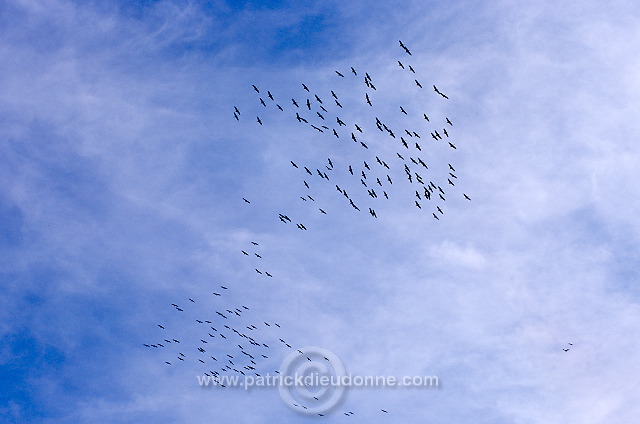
(124, 164)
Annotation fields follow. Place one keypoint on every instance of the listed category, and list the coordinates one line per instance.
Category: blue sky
(122, 173)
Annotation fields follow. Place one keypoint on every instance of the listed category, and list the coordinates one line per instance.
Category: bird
(246, 200)
(418, 84)
(449, 122)
(293, 163)
(305, 87)
(259, 121)
(466, 197)
(255, 88)
(401, 65)
(339, 74)
(295, 103)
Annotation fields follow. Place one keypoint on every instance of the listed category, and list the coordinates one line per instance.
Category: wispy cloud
(123, 172)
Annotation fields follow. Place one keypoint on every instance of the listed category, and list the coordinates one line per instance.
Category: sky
(123, 173)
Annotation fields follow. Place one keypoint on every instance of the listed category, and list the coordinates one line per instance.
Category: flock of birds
(229, 340)
(375, 174)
